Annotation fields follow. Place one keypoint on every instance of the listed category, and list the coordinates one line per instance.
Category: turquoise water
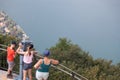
(93, 25)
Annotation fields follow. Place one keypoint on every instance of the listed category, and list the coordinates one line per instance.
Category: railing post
(21, 67)
(73, 75)
(2, 61)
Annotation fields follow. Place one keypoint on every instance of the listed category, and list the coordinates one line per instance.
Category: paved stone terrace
(3, 75)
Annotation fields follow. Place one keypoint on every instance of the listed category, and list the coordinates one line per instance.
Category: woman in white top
(27, 59)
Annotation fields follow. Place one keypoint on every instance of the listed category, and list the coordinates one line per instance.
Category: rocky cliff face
(9, 27)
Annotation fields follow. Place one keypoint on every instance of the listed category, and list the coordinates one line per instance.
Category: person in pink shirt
(27, 60)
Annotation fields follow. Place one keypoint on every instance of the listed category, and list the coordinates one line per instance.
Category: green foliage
(72, 56)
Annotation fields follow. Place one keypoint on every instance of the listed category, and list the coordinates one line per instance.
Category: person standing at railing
(27, 59)
(20, 49)
(43, 66)
(10, 58)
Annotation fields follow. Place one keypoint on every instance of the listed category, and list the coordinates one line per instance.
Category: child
(10, 58)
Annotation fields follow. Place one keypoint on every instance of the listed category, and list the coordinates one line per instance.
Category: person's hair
(13, 42)
(30, 47)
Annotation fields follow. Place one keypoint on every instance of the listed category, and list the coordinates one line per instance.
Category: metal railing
(60, 67)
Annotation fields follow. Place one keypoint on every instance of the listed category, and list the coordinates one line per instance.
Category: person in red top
(10, 58)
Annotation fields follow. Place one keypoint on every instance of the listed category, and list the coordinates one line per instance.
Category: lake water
(93, 25)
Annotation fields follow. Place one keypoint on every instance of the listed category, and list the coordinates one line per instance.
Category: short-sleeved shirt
(10, 54)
